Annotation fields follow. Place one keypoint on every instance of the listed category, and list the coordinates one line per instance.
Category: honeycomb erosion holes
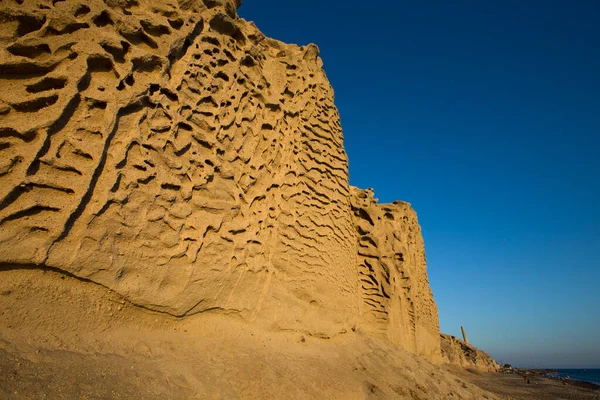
(170, 152)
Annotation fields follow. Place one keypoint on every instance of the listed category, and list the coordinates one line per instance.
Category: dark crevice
(203, 143)
(35, 104)
(178, 52)
(28, 212)
(99, 64)
(96, 104)
(58, 125)
(4, 267)
(169, 94)
(369, 241)
(248, 61)
(225, 25)
(146, 64)
(47, 84)
(29, 51)
(386, 273)
(364, 215)
(222, 75)
(52, 187)
(147, 180)
(211, 40)
(170, 186)
(140, 37)
(29, 23)
(10, 132)
(130, 109)
(102, 19)
(82, 10)
(68, 29)
(176, 23)
(13, 195)
(118, 53)
(24, 70)
(184, 126)
(155, 30)
(210, 3)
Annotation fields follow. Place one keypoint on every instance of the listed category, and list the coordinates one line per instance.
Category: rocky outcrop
(396, 297)
(458, 352)
(179, 157)
(173, 154)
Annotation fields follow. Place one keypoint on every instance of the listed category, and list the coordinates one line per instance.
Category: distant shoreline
(578, 383)
(573, 380)
(530, 384)
(567, 375)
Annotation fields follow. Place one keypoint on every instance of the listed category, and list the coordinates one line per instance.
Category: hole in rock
(29, 51)
(29, 23)
(47, 84)
(81, 10)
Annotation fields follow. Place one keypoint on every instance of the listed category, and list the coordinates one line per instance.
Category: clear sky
(485, 115)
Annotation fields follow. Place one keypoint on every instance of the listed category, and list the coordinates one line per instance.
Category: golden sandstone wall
(457, 352)
(169, 151)
(397, 299)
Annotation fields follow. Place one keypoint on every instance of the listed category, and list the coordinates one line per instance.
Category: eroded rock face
(457, 352)
(396, 297)
(172, 153)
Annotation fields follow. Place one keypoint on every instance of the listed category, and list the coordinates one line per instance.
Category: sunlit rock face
(396, 297)
(458, 352)
(169, 151)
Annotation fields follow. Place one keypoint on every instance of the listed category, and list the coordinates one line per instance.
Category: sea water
(588, 375)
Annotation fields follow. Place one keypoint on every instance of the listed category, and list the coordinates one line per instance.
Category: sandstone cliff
(174, 194)
(173, 154)
(397, 299)
(457, 352)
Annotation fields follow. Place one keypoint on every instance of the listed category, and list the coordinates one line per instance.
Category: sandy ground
(64, 338)
(513, 386)
(61, 338)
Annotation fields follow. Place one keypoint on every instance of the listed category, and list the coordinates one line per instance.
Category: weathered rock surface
(170, 152)
(397, 299)
(86, 342)
(457, 352)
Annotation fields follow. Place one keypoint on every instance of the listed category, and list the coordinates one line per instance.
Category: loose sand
(62, 338)
(512, 386)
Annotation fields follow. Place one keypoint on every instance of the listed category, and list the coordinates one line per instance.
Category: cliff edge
(172, 153)
(458, 352)
(170, 159)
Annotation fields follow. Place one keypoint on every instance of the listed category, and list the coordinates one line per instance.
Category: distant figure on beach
(526, 378)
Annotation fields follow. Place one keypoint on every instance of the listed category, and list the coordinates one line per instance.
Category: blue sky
(485, 115)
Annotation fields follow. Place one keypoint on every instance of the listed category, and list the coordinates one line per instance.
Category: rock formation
(170, 152)
(457, 352)
(397, 299)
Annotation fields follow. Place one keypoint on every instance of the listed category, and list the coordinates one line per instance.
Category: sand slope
(511, 386)
(67, 338)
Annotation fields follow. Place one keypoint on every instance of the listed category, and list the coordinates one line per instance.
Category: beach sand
(513, 386)
(62, 338)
